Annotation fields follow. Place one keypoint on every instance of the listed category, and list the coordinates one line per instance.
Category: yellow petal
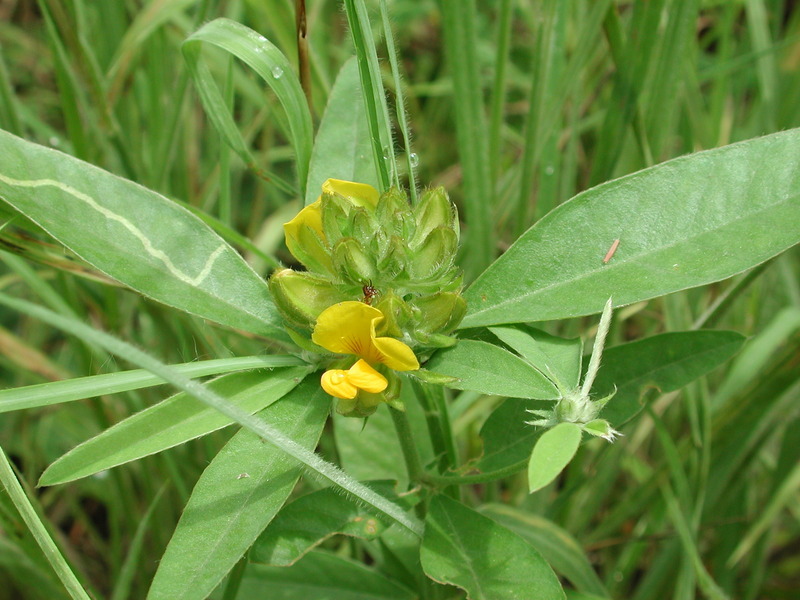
(311, 217)
(336, 383)
(359, 194)
(364, 377)
(347, 328)
(395, 354)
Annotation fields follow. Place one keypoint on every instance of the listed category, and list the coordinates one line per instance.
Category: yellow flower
(359, 194)
(346, 384)
(349, 328)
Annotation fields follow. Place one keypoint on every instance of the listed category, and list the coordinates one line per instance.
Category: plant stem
(409, 448)
(477, 478)
(303, 63)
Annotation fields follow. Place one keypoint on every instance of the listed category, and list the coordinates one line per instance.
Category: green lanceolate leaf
(688, 222)
(489, 369)
(170, 422)
(321, 575)
(313, 518)
(136, 236)
(559, 548)
(274, 69)
(558, 358)
(665, 362)
(342, 149)
(237, 496)
(462, 547)
(552, 453)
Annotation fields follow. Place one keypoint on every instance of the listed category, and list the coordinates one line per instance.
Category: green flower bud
(352, 262)
(436, 254)
(301, 296)
(391, 203)
(601, 428)
(439, 313)
(434, 210)
(393, 262)
(397, 315)
(362, 225)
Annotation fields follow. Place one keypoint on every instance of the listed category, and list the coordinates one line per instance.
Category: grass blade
(39, 531)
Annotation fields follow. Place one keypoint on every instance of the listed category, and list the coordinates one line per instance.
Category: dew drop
(277, 72)
(413, 158)
(54, 141)
(549, 170)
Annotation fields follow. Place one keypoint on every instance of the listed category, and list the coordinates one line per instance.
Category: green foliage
(687, 231)
(553, 451)
(149, 157)
(466, 549)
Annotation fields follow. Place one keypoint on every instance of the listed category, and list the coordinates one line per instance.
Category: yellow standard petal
(364, 377)
(349, 328)
(335, 382)
(359, 194)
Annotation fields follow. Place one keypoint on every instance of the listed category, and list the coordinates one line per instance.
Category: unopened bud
(352, 262)
(302, 296)
(397, 315)
(434, 210)
(439, 313)
(435, 254)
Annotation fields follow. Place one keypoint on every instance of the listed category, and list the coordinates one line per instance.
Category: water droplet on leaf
(413, 158)
(277, 72)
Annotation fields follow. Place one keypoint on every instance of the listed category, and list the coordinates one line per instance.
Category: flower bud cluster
(359, 245)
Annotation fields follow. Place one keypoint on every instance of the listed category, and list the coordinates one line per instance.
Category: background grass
(514, 106)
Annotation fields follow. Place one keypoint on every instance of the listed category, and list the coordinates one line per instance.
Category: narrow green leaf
(135, 236)
(687, 222)
(342, 149)
(133, 553)
(39, 531)
(237, 496)
(558, 547)
(170, 422)
(666, 362)
(462, 547)
(68, 390)
(311, 519)
(461, 49)
(274, 69)
(552, 453)
(374, 96)
(318, 576)
(557, 358)
(489, 369)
